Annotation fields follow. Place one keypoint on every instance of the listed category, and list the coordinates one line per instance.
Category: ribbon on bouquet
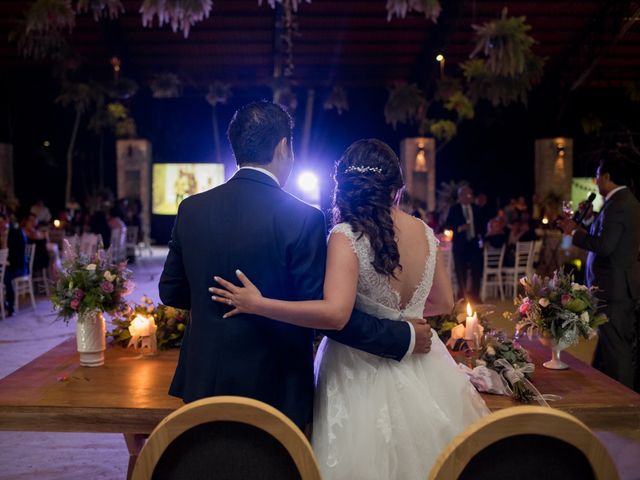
(510, 375)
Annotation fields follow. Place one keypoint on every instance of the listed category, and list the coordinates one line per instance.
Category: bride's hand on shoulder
(245, 299)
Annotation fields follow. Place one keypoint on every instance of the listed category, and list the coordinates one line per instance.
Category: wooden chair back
(229, 438)
(525, 443)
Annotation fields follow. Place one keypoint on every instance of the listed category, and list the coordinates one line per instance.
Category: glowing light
(439, 57)
(469, 310)
(545, 221)
(448, 234)
(308, 182)
(56, 223)
(46, 143)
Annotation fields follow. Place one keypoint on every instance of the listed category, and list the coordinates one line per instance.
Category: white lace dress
(377, 418)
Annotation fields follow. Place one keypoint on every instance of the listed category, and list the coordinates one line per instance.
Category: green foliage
(461, 104)
(406, 104)
(400, 8)
(337, 100)
(121, 88)
(509, 68)
(443, 129)
(166, 85)
(633, 91)
(170, 322)
(101, 8)
(219, 93)
(80, 96)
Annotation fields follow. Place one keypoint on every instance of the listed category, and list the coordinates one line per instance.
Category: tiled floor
(70, 456)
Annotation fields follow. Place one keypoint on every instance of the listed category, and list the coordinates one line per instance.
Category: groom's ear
(281, 149)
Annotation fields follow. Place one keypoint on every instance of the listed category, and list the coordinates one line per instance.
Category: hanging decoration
(101, 8)
(283, 95)
(337, 100)
(406, 104)
(180, 14)
(443, 130)
(121, 88)
(461, 104)
(400, 8)
(166, 85)
(39, 34)
(509, 67)
(219, 93)
(294, 3)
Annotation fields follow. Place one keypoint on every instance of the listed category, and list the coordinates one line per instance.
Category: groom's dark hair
(256, 129)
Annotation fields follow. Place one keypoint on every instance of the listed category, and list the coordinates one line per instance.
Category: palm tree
(80, 97)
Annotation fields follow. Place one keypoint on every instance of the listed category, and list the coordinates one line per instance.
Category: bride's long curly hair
(363, 197)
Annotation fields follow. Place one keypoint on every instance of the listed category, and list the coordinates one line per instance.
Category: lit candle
(142, 326)
(56, 223)
(471, 325)
(545, 220)
(448, 235)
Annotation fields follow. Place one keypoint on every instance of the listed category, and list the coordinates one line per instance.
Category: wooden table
(129, 394)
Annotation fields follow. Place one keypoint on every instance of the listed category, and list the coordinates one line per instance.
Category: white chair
(24, 285)
(4, 254)
(521, 267)
(88, 244)
(535, 257)
(118, 247)
(132, 240)
(447, 256)
(492, 272)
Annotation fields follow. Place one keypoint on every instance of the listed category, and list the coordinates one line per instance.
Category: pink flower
(127, 287)
(78, 293)
(524, 308)
(107, 287)
(566, 298)
(75, 304)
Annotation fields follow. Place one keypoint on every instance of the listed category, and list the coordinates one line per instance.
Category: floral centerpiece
(560, 310)
(170, 323)
(88, 286)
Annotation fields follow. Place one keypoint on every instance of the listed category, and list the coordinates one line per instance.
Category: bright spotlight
(308, 182)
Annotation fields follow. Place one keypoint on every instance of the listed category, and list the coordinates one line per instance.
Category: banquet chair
(118, 247)
(447, 257)
(88, 244)
(228, 438)
(132, 240)
(492, 272)
(526, 443)
(522, 266)
(4, 254)
(24, 285)
(535, 257)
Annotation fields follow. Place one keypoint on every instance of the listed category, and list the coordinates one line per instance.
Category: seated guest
(99, 225)
(17, 262)
(4, 230)
(496, 235)
(114, 219)
(30, 228)
(522, 230)
(35, 236)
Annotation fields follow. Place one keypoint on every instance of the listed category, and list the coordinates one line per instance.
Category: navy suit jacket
(279, 242)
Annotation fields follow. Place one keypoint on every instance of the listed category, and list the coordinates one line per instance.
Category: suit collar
(255, 176)
(613, 192)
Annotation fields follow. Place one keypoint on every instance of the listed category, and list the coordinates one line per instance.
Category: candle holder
(143, 335)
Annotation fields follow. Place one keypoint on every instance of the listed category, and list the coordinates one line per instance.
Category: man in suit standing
(613, 265)
(251, 224)
(464, 219)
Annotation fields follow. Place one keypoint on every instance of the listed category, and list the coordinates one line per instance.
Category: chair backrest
(132, 235)
(4, 255)
(88, 243)
(118, 244)
(493, 257)
(525, 443)
(31, 255)
(226, 437)
(524, 250)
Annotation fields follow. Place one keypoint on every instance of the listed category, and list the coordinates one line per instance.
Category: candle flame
(469, 311)
(56, 223)
(448, 234)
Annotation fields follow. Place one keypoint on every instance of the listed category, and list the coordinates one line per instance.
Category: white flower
(91, 267)
(584, 317)
(544, 302)
(108, 276)
(523, 281)
(576, 287)
(491, 351)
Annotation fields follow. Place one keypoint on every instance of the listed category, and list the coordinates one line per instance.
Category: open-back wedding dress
(377, 418)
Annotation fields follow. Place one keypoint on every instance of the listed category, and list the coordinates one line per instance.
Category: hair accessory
(363, 169)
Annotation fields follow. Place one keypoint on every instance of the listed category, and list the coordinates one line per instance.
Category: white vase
(556, 347)
(90, 338)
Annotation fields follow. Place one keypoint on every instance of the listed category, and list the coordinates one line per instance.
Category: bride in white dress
(375, 418)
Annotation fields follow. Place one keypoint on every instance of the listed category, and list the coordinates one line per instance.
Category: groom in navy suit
(251, 224)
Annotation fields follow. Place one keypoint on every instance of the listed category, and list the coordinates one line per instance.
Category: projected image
(173, 182)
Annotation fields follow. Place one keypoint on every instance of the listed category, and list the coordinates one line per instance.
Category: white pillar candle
(471, 325)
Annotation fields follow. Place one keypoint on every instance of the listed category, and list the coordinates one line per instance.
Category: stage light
(545, 221)
(439, 57)
(308, 182)
(56, 223)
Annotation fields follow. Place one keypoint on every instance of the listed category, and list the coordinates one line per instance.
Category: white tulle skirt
(376, 418)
